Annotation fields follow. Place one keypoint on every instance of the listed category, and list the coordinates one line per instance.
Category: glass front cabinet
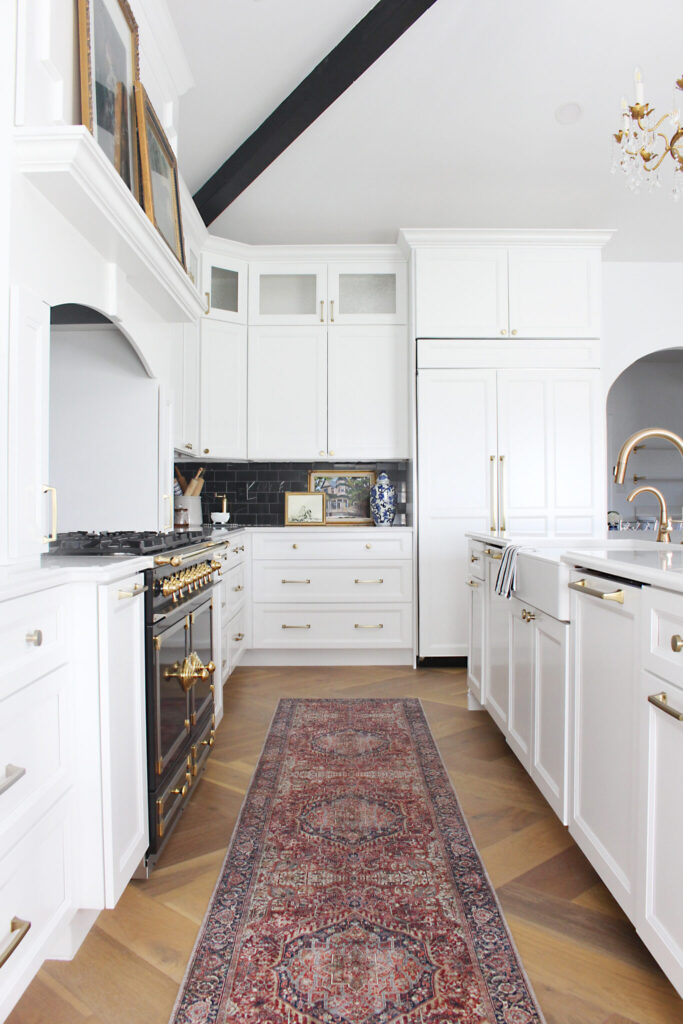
(224, 287)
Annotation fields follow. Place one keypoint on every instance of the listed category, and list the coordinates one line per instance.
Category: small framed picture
(109, 67)
(347, 495)
(159, 175)
(304, 509)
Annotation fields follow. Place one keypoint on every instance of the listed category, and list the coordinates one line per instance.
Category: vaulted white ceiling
(454, 126)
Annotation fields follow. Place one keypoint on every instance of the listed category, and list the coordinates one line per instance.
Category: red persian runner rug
(352, 892)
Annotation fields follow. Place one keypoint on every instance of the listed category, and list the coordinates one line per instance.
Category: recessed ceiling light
(568, 113)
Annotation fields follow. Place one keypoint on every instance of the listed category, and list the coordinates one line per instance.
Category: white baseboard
(66, 943)
(284, 658)
(472, 702)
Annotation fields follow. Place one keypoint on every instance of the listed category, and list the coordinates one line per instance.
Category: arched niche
(73, 314)
(648, 393)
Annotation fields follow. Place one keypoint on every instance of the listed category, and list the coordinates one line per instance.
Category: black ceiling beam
(357, 51)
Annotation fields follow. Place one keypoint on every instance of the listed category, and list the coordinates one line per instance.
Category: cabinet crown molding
(411, 238)
(302, 253)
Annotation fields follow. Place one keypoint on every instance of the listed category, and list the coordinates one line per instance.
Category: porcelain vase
(383, 501)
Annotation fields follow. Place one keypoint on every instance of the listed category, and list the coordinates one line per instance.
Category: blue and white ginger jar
(383, 501)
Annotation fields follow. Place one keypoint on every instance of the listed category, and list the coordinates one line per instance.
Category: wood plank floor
(583, 957)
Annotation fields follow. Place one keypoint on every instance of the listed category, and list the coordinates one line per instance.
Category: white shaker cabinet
(122, 732)
(367, 293)
(521, 697)
(497, 644)
(224, 286)
(475, 597)
(283, 294)
(223, 376)
(550, 727)
(554, 291)
(462, 292)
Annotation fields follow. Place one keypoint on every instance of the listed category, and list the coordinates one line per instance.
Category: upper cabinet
(487, 291)
(343, 293)
(224, 286)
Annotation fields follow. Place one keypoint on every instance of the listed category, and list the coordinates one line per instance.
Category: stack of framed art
(334, 498)
(117, 110)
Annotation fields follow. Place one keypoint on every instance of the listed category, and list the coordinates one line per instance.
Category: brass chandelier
(642, 143)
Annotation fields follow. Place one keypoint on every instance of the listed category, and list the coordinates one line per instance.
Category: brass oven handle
(583, 588)
(380, 625)
(661, 701)
(19, 930)
(135, 592)
(307, 626)
(295, 581)
(52, 535)
(369, 581)
(179, 559)
(12, 774)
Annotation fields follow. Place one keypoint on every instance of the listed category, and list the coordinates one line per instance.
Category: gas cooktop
(126, 542)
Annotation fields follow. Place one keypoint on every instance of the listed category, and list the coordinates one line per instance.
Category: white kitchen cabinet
(31, 502)
(521, 697)
(367, 293)
(475, 596)
(223, 376)
(550, 731)
(166, 471)
(287, 393)
(283, 294)
(497, 646)
(224, 286)
(456, 479)
(122, 732)
(605, 674)
(367, 393)
(541, 291)
(185, 384)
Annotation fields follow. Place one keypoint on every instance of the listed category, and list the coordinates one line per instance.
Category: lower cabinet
(476, 634)
(497, 651)
(521, 699)
(550, 725)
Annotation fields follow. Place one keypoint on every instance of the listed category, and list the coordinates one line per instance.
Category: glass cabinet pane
(290, 294)
(367, 293)
(224, 289)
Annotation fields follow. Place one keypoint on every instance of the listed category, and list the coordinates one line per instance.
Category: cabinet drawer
(362, 582)
(237, 638)
(333, 543)
(35, 886)
(310, 626)
(234, 591)
(663, 634)
(32, 634)
(35, 744)
(476, 560)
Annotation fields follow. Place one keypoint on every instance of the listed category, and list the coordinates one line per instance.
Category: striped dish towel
(507, 572)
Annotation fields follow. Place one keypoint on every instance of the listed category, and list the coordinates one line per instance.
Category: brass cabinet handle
(495, 555)
(135, 592)
(380, 625)
(369, 581)
(238, 588)
(331, 321)
(295, 581)
(35, 638)
(661, 701)
(12, 774)
(322, 316)
(494, 494)
(677, 643)
(612, 595)
(207, 296)
(52, 491)
(501, 491)
(474, 558)
(307, 626)
(471, 583)
(19, 930)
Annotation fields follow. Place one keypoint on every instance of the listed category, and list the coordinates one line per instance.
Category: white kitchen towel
(507, 573)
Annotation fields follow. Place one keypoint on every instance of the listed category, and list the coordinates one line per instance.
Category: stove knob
(215, 564)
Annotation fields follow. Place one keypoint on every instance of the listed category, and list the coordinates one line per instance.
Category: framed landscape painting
(347, 495)
(159, 174)
(109, 67)
(303, 509)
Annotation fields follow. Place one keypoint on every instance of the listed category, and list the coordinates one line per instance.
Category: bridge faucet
(622, 461)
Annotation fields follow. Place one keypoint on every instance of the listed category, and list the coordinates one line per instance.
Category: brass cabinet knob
(206, 451)
(677, 643)
(513, 332)
(503, 332)
(295, 545)
(36, 637)
(330, 453)
(189, 446)
(321, 453)
(368, 546)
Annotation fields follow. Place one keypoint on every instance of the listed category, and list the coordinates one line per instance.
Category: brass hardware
(330, 453)
(179, 559)
(187, 724)
(191, 618)
(677, 643)
(501, 500)
(297, 627)
(331, 321)
(135, 592)
(212, 688)
(12, 774)
(18, 929)
(165, 560)
(613, 595)
(503, 332)
(494, 494)
(369, 581)
(665, 525)
(471, 583)
(513, 332)
(207, 296)
(635, 439)
(321, 453)
(291, 581)
(160, 826)
(215, 564)
(183, 791)
(193, 718)
(159, 766)
(52, 535)
(474, 558)
(322, 316)
(238, 637)
(523, 614)
(295, 545)
(189, 446)
(35, 638)
(496, 556)
(527, 616)
(380, 625)
(240, 587)
(661, 701)
(193, 751)
(189, 672)
(206, 451)
(368, 546)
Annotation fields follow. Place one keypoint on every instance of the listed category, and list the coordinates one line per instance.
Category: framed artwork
(109, 67)
(159, 175)
(347, 495)
(304, 509)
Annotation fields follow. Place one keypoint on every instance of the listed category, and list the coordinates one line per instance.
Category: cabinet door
(660, 911)
(497, 657)
(122, 732)
(602, 816)
(224, 284)
(367, 293)
(550, 452)
(456, 442)
(187, 392)
(462, 293)
(549, 756)
(476, 636)
(165, 460)
(367, 393)
(288, 293)
(223, 388)
(520, 710)
(32, 506)
(287, 392)
(554, 292)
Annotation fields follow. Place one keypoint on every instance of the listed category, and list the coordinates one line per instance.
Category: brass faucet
(627, 447)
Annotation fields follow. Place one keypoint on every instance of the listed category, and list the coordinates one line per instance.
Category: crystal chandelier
(641, 144)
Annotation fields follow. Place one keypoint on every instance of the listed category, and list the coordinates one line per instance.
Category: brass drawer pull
(238, 588)
(368, 581)
(295, 581)
(677, 643)
(495, 555)
(307, 626)
(661, 701)
(474, 558)
(52, 535)
(527, 616)
(378, 626)
(135, 592)
(583, 588)
(12, 774)
(471, 583)
(19, 930)
(238, 637)
(35, 638)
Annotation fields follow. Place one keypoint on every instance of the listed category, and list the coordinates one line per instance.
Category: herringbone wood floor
(583, 956)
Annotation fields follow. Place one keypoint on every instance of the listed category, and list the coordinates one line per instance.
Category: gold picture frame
(159, 175)
(109, 67)
(347, 494)
(302, 512)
